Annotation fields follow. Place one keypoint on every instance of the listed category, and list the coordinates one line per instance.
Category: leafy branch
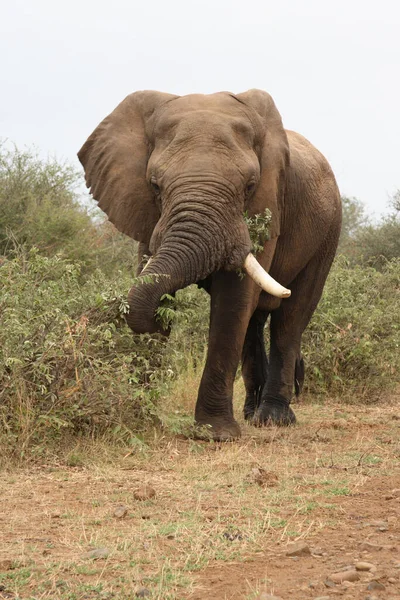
(258, 226)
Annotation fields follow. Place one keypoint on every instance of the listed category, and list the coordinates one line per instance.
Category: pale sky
(332, 67)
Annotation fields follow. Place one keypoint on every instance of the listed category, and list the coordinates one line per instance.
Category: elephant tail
(299, 375)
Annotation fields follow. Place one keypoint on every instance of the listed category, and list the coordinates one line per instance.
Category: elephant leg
(254, 362)
(233, 301)
(286, 368)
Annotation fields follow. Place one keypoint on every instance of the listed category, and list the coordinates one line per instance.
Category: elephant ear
(115, 160)
(274, 158)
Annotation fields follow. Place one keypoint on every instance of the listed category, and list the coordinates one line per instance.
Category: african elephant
(177, 174)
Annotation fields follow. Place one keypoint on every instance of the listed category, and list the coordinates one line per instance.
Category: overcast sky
(332, 66)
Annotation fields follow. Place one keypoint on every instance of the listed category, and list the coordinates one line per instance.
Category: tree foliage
(40, 206)
(369, 243)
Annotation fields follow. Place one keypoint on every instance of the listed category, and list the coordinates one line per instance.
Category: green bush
(69, 365)
(40, 206)
(67, 359)
(352, 345)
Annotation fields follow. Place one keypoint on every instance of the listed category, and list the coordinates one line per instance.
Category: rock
(329, 584)
(265, 596)
(145, 492)
(344, 576)
(348, 584)
(97, 553)
(142, 593)
(323, 598)
(377, 524)
(375, 586)
(364, 566)
(120, 512)
(368, 546)
(392, 580)
(263, 477)
(231, 536)
(298, 549)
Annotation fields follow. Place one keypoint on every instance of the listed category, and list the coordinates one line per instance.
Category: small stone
(265, 596)
(231, 536)
(329, 584)
(364, 566)
(6, 564)
(142, 593)
(145, 492)
(368, 546)
(348, 584)
(120, 512)
(375, 586)
(263, 477)
(97, 553)
(392, 580)
(377, 524)
(298, 549)
(56, 515)
(344, 576)
(323, 598)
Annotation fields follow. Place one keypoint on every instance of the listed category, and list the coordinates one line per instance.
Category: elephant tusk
(263, 279)
(147, 264)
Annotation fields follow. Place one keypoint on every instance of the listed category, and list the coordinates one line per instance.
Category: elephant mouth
(258, 274)
(182, 259)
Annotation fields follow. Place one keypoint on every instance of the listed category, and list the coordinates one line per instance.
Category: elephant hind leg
(254, 362)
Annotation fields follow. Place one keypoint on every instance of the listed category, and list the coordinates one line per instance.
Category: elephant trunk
(185, 256)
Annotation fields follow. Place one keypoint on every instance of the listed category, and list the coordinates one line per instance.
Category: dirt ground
(181, 519)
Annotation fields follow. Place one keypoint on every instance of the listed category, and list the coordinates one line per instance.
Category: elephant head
(177, 174)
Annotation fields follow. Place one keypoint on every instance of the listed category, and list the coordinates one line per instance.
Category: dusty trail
(222, 517)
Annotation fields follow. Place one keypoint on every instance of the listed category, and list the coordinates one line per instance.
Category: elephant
(177, 174)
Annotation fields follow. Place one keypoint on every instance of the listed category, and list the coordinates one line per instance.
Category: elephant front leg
(286, 368)
(233, 301)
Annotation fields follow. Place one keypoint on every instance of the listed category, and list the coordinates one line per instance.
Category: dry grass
(212, 506)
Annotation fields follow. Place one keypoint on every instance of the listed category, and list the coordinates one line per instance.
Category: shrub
(352, 345)
(40, 206)
(69, 365)
(67, 359)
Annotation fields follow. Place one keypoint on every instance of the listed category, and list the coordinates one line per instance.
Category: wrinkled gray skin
(177, 174)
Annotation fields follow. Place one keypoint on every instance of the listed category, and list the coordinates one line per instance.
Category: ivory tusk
(147, 264)
(263, 279)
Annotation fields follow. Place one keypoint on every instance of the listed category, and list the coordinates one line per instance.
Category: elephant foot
(218, 430)
(274, 412)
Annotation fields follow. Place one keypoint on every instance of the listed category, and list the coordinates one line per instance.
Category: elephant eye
(155, 186)
(250, 187)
